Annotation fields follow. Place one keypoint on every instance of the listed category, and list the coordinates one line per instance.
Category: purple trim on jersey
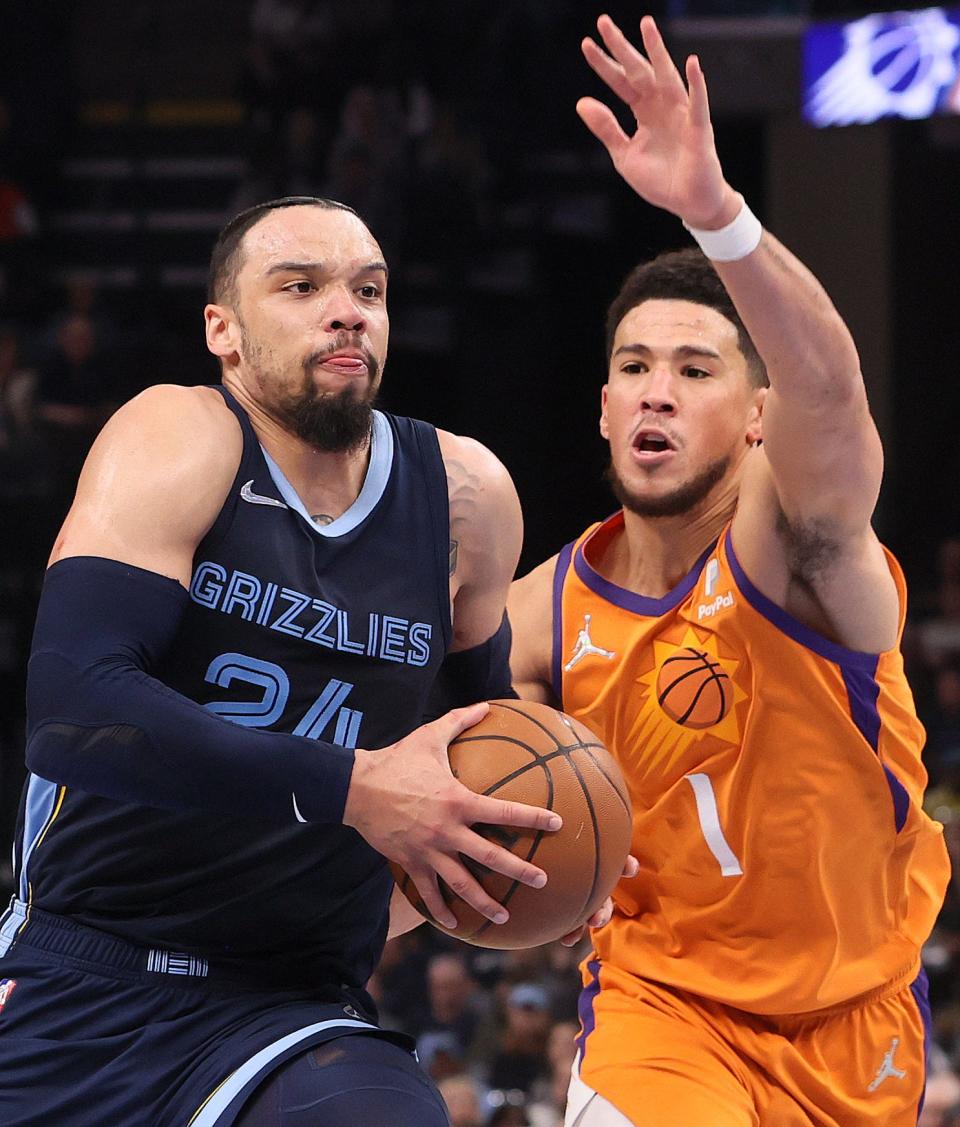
(559, 575)
(920, 989)
(629, 600)
(832, 651)
(858, 669)
(588, 1019)
(862, 693)
(901, 800)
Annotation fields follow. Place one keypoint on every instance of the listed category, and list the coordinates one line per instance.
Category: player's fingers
(697, 88)
(637, 69)
(663, 65)
(602, 916)
(573, 938)
(500, 812)
(610, 72)
(452, 724)
(499, 860)
(468, 888)
(631, 866)
(599, 119)
(433, 901)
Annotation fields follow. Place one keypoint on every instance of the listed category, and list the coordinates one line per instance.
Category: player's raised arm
(822, 465)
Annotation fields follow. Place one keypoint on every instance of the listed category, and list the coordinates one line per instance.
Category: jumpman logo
(888, 1070)
(584, 647)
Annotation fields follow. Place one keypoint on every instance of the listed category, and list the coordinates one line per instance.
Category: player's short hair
(682, 275)
(225, 260)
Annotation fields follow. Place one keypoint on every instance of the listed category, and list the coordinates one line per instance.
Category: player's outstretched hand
(602, 916)
(671, 159)
(405, 801)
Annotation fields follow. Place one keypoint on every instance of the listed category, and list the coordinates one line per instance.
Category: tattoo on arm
(463, 490)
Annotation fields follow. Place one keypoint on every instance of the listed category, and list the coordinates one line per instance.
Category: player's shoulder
(169, 419)
(188, 407)
(465, 456)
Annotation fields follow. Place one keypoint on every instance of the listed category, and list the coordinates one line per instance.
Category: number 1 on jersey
(710, 825)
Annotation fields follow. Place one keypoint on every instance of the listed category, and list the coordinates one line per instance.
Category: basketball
(693, 689)
(528, 752)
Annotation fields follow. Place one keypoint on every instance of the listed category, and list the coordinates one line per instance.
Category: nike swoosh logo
(247, 494)
(296, 808)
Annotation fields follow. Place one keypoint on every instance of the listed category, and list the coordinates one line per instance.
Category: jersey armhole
(224, 519)
(435, 471)
(559, 576)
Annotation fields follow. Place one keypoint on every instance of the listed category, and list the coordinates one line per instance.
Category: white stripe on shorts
(587, 1108)
(211, 1111)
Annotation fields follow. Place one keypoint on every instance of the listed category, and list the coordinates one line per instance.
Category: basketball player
(252, 589)
(743, 665)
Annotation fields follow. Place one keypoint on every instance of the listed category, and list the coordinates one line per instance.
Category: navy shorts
(94, 1030)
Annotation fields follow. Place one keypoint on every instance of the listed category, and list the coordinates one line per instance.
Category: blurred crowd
(396, 133)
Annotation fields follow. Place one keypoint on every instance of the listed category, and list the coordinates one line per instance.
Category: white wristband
(734, 241)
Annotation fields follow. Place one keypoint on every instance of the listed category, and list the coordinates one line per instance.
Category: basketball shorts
(665, 1058)
(94, 1030)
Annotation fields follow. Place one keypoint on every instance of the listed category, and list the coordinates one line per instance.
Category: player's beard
(683, 499)
(336, 422)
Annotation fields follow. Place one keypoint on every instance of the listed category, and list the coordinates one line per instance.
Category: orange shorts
(666, 1058)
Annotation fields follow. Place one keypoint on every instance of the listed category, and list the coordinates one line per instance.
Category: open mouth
(649, 443)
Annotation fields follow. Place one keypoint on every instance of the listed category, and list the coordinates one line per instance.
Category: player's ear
(604, 426)
(755, 417)
(223, 331)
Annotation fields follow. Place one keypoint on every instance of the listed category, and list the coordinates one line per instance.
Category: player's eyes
(370, 291)
(696, 373)
(301, 286)
(633, 367)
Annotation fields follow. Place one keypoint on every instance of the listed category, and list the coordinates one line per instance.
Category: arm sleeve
(98, 721)
(479, 673)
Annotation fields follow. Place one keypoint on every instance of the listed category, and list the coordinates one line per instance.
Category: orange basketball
(693, 689)
(528, 752)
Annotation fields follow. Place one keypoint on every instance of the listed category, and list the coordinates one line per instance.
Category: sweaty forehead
(662, 322)
(306, 234)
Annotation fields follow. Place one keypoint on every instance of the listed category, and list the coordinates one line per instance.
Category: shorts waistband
(57, 935)
(27, 926)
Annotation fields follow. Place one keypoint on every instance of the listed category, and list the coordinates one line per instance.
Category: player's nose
(659, 392)
(342, 310)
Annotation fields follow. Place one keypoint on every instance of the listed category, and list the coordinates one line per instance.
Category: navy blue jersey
(334, 633)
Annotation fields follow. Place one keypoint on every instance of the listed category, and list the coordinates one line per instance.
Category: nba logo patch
(6, 989)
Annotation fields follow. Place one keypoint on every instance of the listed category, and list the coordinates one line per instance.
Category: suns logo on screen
(900, 64)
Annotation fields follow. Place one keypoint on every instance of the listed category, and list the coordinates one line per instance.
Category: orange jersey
(786, 864)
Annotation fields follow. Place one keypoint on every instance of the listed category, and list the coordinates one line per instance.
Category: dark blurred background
(131, 130)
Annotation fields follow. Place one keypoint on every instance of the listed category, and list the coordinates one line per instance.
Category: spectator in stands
(941, 1107)
(456, 1004)
(73, 399)
(550, 1094)
(521, 1059)
(462, 1095)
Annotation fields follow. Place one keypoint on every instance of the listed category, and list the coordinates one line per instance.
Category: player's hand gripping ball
(528, 752)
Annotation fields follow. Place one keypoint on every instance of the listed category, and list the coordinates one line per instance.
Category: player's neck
(327, 483)
(654, 554)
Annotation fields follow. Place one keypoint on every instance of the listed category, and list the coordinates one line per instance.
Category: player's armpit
(154, 481)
